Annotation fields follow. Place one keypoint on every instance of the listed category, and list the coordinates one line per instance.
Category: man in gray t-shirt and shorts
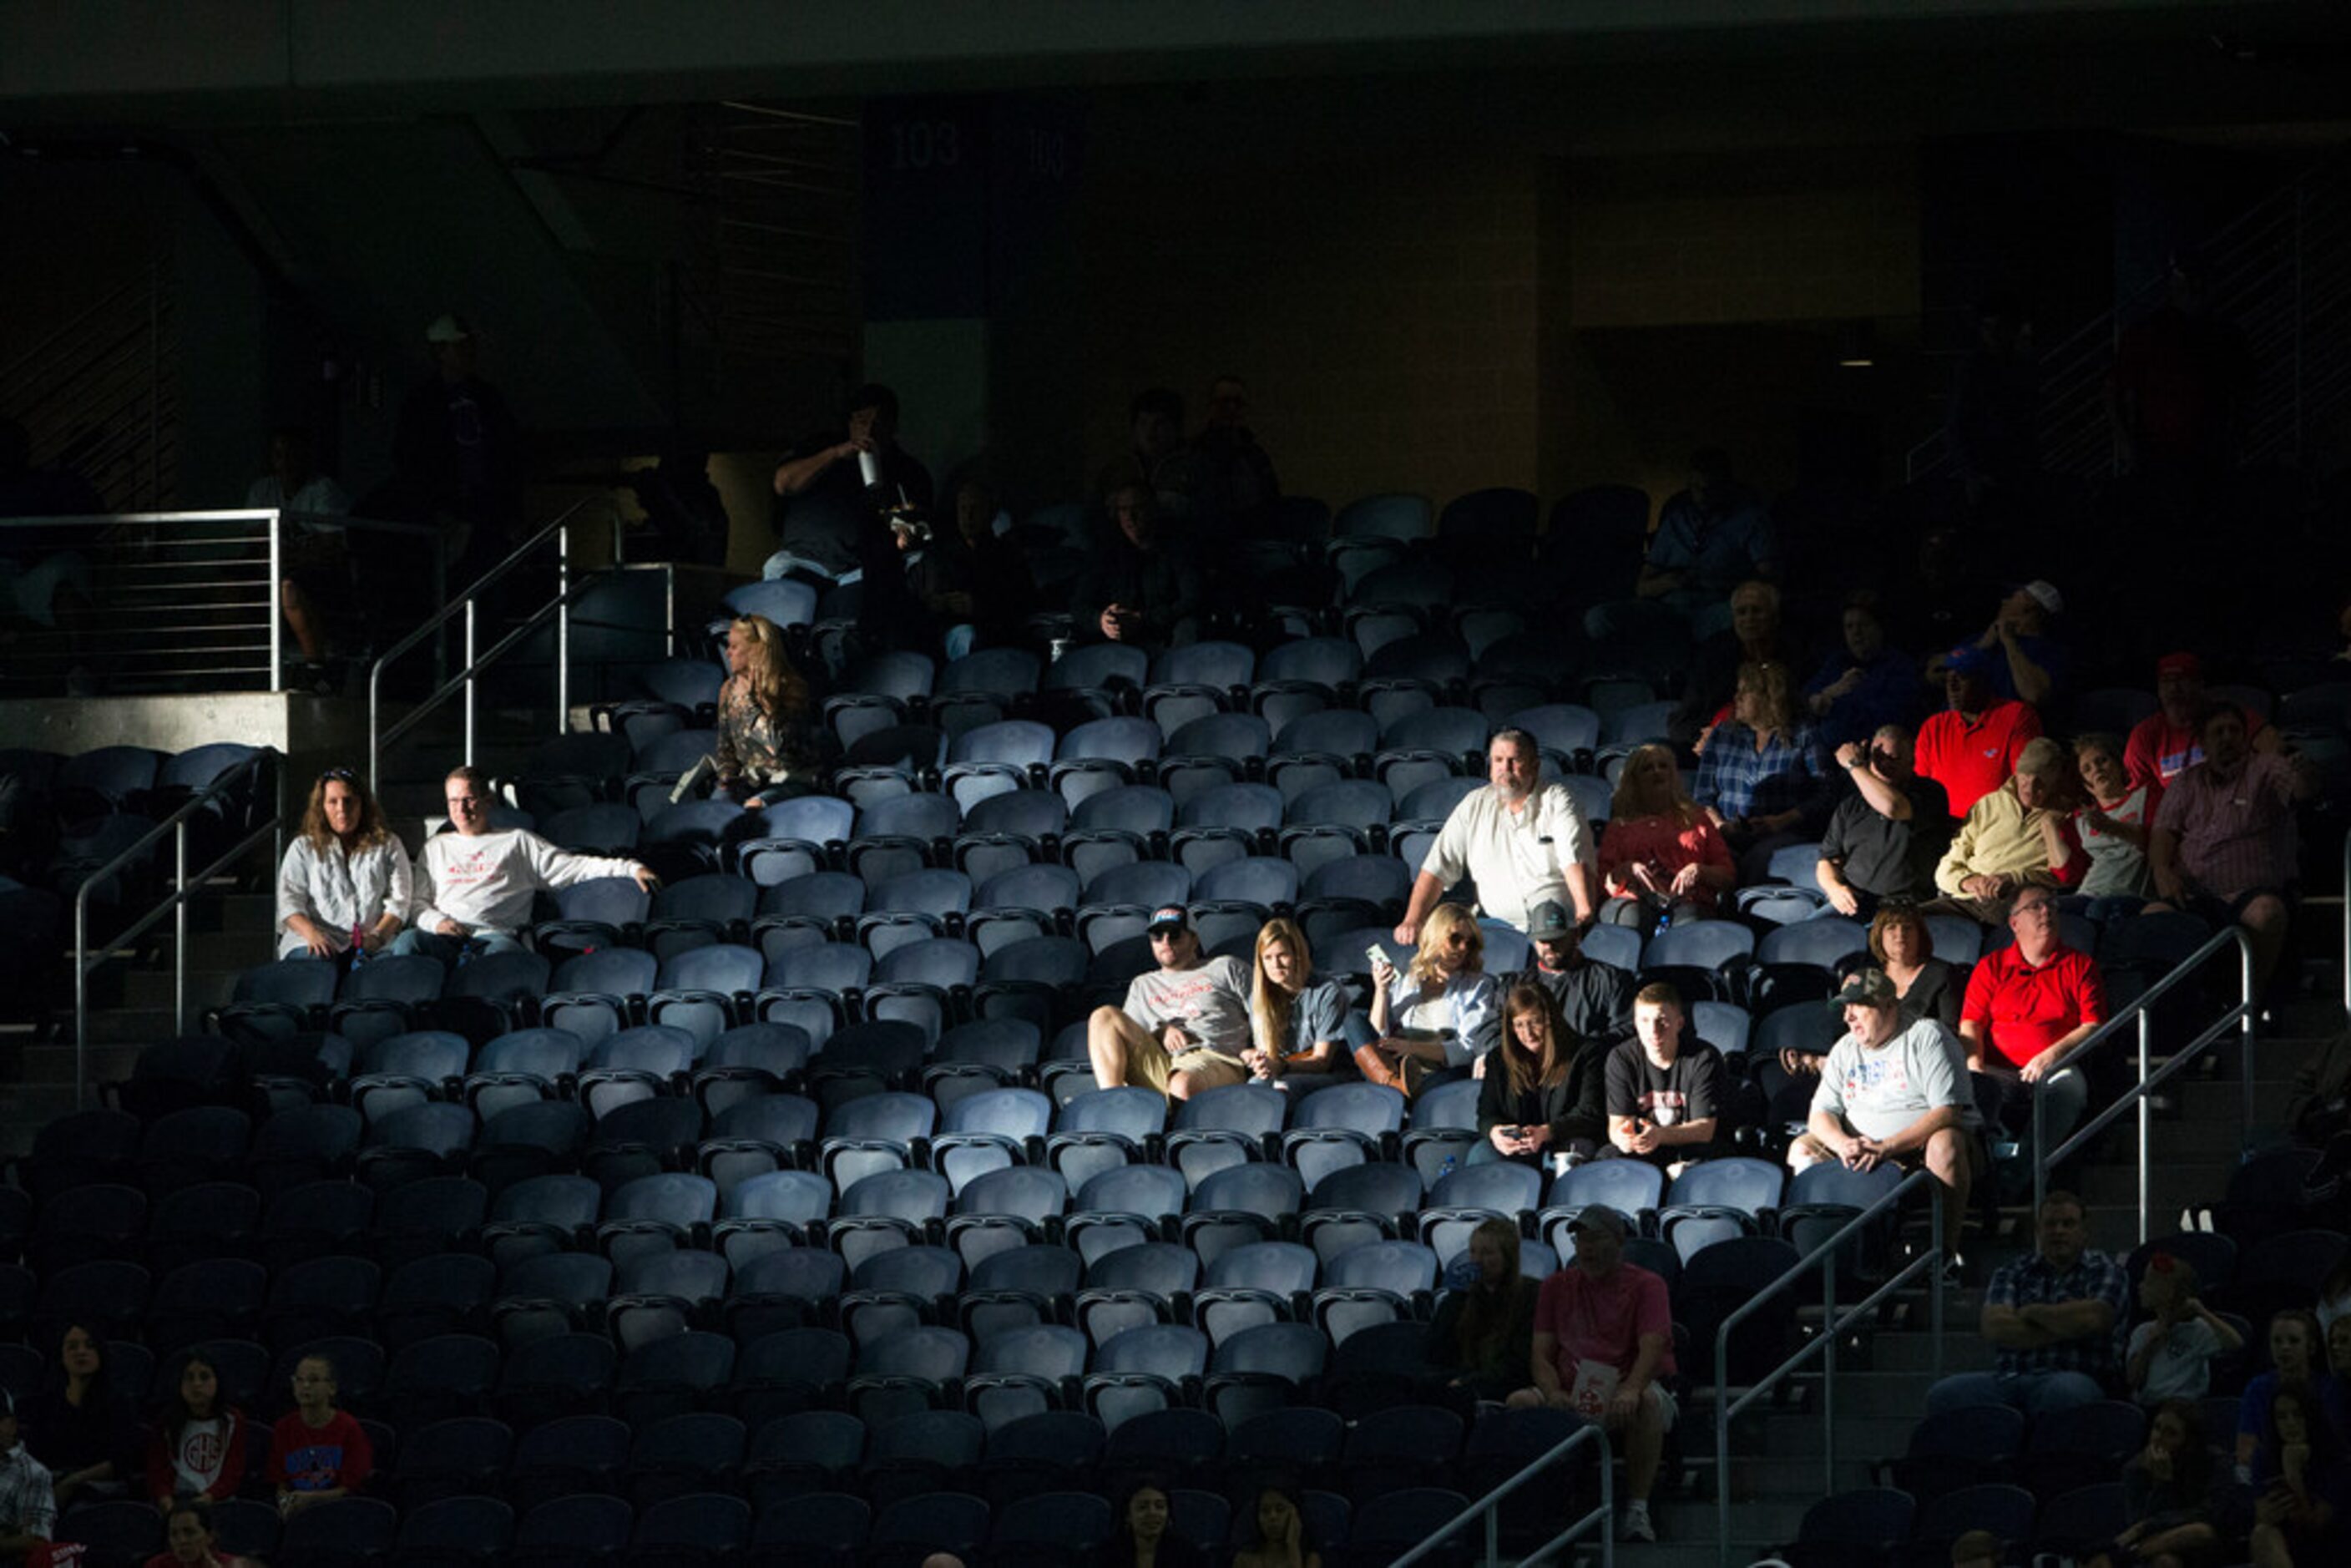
(1185, 1024)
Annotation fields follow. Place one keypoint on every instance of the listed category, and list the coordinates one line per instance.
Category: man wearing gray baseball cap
(1896, 1094)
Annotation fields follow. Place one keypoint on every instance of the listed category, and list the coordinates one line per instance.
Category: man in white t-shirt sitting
(1185, 1024)
(474, 884)
(1894, 1091)
(1522, 840)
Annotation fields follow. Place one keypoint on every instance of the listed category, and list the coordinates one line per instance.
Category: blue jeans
(2037, 1393)
(415, 939)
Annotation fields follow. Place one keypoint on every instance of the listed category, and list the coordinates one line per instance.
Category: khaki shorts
(1147, 1062)
(1977, 1158)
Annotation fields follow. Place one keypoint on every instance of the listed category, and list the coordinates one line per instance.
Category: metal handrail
(560, 530)
(1491, 1504)
(183, 887)
(2140, 1012)
(1822, 1257)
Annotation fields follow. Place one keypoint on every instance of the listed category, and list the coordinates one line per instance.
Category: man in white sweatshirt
(474, 884)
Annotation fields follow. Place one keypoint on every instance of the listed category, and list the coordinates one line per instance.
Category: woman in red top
(191, 1541)
(1661, 855)
(198, 1449)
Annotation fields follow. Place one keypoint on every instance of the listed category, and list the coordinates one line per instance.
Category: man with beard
(1519, 840)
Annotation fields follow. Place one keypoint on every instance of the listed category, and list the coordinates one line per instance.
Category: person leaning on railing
(345, 873)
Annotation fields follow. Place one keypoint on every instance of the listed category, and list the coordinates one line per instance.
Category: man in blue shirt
(1710, 538)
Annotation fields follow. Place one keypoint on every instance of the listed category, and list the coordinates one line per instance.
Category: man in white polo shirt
(1519, 840)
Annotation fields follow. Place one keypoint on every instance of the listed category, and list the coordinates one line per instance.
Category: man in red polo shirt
(2028, 1006)
(1603, 1336)
(1971, 748)
(2170, 741)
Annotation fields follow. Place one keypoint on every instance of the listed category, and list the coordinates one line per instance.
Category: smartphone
(1378, 956)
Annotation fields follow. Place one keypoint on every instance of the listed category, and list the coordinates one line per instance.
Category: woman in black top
(1142, 1536)
(1481, 1337)
(1545, 1091)
(86, 1433)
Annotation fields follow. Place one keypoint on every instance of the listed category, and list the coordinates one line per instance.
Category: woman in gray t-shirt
(1297, 1018)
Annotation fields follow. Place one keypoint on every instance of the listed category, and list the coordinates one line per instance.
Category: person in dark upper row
(2022, 661)
(1157, 457)
(1236, 478)
(828, 507)
(458, 455)
(1884, 840)
(1756, 637)
(970, 575)
(1865, 686)
(1144, 585)
(1709, 536)
(2224, 844)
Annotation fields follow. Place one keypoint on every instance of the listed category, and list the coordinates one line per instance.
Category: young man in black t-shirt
(1668, 1093)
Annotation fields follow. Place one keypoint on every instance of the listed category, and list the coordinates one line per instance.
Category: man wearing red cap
(2165, 744)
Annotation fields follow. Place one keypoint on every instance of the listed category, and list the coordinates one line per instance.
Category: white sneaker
(1635, 1525)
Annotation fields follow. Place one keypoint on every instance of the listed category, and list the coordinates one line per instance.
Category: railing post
(1935, 1235)
(81, 997)
(472, 605)
(180, 928)
(2040, 1170)
(1828, 1373)
(2249, 1032)
(563, 629)
(2146, 1122)
(276, 618)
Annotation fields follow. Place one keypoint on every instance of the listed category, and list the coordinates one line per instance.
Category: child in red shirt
(317, 1453)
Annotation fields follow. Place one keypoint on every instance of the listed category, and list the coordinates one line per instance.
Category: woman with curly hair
(345, 878)
(1441, 1013)
(1661, 855)
(767, 745)
(1762, 775)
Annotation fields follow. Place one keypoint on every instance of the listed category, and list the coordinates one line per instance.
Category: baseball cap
(1549, 922)
(1169, 917)
(1868, 988)
(1967, 659)
(2045, 593)
(2181, 664)
(449, 329)
(1598, 1216)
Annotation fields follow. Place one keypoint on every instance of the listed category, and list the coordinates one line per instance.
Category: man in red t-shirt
(2167, 742)
(1604, 1335)
(1972, 749)
(2028, 1006)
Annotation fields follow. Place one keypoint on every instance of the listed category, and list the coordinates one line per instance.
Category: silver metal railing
(2140, 1095)
(175, 904)
(179, 597)
(1823, 1258)
(558, 608)
(1489, 1507)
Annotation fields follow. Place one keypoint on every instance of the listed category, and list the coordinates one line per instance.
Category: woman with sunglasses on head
(1442, 1012)
(767, 747)
(345, 878)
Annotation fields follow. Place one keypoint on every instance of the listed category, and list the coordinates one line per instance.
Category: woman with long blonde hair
(766, 748)
(1661, 855)
(1297, 1018)
(1440, 1013)
(345, 877)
